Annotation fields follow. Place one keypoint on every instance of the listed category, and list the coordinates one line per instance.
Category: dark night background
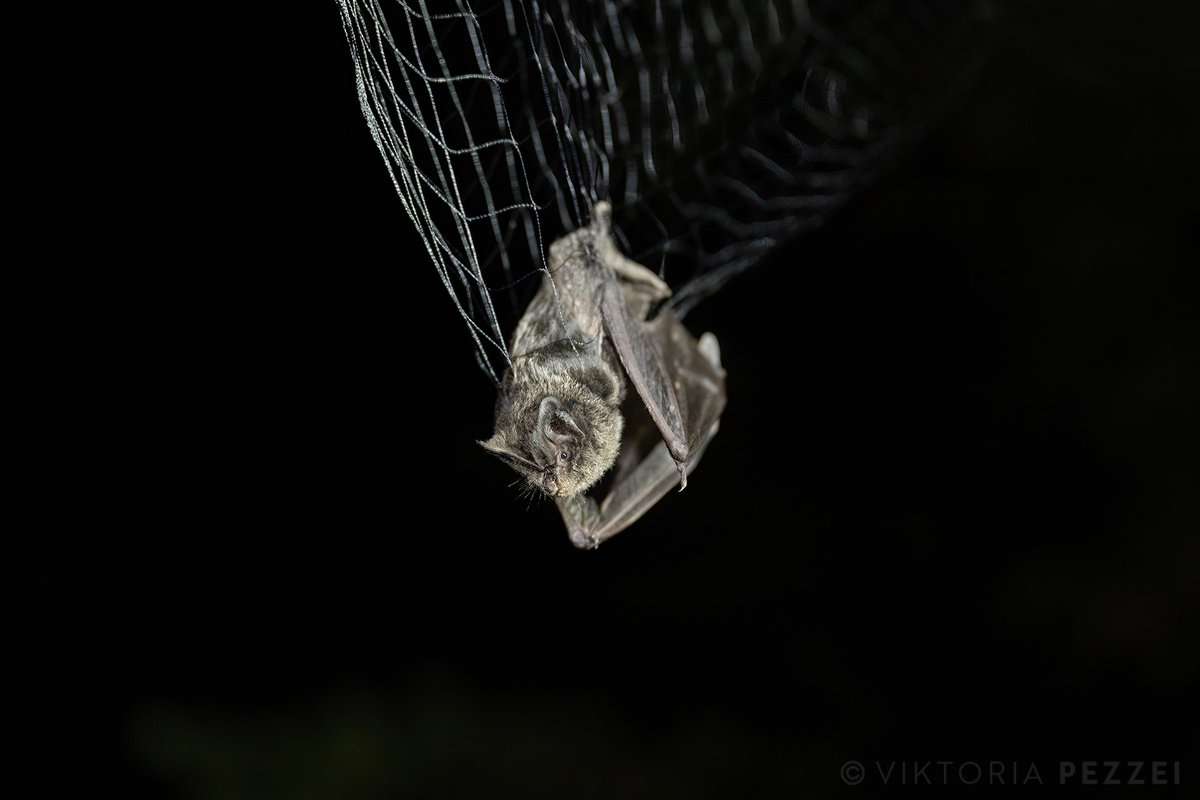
(974, 536)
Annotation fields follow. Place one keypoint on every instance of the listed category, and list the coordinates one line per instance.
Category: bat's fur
(587, 333)
(558, 417)
(588, 389)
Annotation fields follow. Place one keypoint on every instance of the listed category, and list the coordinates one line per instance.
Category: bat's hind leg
(626, 269)
(634, 273)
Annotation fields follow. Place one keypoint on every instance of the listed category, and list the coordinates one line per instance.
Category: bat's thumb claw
(683, 471)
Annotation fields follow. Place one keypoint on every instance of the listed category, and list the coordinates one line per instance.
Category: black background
(968, 534)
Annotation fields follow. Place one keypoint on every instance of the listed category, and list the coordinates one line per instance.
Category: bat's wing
(646, 363)
(688, 392)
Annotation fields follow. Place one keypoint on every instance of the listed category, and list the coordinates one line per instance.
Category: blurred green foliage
(437, 742)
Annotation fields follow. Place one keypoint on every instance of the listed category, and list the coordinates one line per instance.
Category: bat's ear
(499, 446)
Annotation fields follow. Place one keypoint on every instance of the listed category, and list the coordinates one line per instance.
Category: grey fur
(558, 416)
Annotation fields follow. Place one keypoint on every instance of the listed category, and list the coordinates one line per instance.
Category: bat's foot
(584, 541)
(709, 348)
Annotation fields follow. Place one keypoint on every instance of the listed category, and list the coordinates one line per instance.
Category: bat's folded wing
(684, 396)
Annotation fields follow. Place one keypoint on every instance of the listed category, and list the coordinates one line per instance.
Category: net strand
(716, 128)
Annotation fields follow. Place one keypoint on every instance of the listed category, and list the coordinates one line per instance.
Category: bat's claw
(682, 466)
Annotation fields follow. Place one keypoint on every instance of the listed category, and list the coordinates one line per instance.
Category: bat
(559, 414)
(692, 136)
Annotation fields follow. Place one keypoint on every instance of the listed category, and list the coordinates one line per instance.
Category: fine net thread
(715, 128)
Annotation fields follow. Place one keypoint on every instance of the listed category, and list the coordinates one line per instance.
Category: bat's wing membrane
(649, 468)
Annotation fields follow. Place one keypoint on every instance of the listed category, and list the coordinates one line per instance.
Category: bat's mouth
(551, 484)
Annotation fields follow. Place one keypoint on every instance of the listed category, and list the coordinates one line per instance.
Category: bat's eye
(563, 457)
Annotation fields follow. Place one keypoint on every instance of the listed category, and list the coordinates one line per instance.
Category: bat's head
(561, 442)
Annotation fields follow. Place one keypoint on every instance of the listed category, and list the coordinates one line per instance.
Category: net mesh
(715, 128)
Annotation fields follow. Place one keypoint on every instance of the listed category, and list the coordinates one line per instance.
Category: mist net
(716, 128)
